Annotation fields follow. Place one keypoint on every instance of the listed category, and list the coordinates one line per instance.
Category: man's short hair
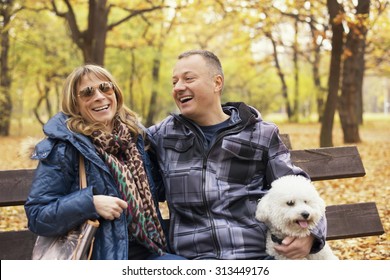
(209, 57)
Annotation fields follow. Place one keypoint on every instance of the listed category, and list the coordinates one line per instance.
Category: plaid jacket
(212, 191)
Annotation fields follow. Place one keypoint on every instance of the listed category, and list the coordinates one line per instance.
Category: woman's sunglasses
(88, 92)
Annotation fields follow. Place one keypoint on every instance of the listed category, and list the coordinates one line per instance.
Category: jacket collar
(239, 111)
(276, 239)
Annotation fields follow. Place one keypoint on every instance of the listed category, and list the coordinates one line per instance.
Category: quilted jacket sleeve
(55, 203)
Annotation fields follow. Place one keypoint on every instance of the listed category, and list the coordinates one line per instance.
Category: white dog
(292, 207)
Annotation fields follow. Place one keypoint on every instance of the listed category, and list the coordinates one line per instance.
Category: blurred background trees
(309, 60)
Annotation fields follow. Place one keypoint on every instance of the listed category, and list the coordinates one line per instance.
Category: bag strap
(83, 177)
(95, 223)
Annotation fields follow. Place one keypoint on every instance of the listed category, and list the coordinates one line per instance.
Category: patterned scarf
(118, 149)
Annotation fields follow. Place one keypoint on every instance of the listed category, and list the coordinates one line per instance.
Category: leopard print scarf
(118, 149)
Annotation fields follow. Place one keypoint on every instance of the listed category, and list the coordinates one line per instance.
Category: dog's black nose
(305, 214)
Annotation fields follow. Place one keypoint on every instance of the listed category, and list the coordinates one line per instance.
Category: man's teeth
(185, 99)
(101, 108)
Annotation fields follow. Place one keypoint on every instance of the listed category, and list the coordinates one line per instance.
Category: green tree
(8, 9)
(43, 57)
(92, 39)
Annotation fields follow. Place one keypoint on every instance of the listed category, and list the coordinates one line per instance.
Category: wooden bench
(344, 221)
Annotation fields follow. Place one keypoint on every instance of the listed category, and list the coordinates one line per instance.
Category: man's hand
(295, 248)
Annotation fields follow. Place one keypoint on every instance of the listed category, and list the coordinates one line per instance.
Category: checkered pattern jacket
(212, 190)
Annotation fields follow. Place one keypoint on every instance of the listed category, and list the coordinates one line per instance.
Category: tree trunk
(295, 115)
(44, 96)
(153, 107)
(95, 36)
(320, 90)
(92, 41)
(132, 76)
(153, 98)
(351, 97)
(5, 79)
(326, 139)
(281, 76)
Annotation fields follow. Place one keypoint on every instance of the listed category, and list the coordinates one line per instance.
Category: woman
(120, 190)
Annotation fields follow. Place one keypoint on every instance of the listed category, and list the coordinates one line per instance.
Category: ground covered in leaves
(375, 186)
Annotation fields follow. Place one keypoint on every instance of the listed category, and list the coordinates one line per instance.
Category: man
(217, 161)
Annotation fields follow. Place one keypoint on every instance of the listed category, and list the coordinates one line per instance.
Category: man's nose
(178, 86)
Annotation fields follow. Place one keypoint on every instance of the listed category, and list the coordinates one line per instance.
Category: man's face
(195, 89)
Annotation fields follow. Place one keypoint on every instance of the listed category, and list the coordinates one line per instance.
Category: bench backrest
(320, 164)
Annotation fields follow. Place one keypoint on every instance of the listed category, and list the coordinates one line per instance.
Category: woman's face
(97, 101)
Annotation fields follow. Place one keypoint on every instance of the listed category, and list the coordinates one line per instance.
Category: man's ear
(218, 83)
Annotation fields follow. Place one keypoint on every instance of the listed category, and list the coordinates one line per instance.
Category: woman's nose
(99, 94)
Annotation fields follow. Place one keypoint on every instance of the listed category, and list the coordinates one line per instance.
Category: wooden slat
(344, 221)
(15, 186)
(320, 164)
(329, 163)
(353, 220)
(16, 245)
(348, 221)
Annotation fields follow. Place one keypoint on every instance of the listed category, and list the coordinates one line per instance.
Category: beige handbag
(76, 245)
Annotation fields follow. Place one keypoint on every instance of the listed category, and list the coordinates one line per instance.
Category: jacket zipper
(196, 131)
(217, 139)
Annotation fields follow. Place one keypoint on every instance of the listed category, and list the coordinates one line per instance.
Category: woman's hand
(109, 207)
(295, 248)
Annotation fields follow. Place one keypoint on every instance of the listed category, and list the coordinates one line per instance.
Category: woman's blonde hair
(70, 106)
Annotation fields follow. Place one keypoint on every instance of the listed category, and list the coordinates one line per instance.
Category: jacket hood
(245, 112)
(56, 127)
(27, 148)
(56, 130)
(239, 113)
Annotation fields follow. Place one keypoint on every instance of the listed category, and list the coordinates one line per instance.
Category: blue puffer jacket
(56, 204)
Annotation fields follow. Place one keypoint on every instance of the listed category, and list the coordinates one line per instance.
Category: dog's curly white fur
(292, 207)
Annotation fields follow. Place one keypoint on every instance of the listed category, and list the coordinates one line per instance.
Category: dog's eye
(290, 203)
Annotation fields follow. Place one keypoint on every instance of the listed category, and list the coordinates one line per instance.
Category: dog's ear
(263, 209)
(321, 205)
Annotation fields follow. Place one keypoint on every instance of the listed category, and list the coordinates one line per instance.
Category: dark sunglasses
(88, 92)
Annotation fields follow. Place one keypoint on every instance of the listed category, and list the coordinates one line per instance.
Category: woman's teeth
(101, 108)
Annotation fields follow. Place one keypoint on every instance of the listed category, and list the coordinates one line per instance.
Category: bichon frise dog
(292, 207)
